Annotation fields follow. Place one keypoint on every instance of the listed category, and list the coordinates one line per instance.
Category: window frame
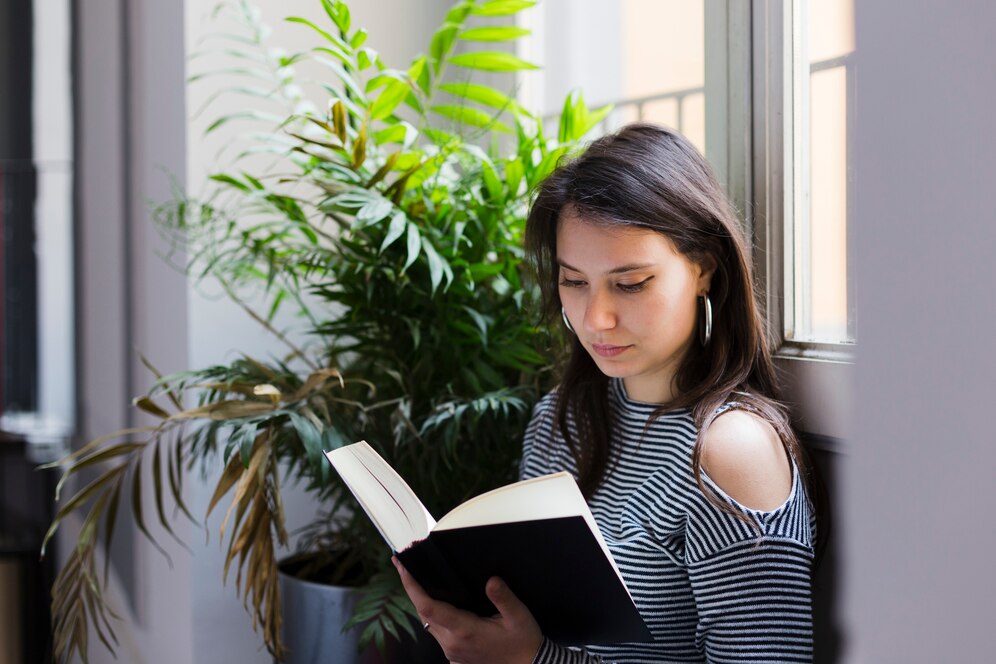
(816, 377)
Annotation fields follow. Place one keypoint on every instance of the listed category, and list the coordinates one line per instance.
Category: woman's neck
(650, 389)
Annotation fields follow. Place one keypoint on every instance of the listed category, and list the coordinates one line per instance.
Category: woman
(666, 413)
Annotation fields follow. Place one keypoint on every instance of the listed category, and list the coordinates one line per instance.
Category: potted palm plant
(397, 237)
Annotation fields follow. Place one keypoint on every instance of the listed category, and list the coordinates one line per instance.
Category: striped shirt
(708, 586)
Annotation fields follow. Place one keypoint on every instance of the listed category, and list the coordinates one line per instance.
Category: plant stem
(262, 321)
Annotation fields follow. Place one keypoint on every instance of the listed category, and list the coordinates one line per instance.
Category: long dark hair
(650, 177)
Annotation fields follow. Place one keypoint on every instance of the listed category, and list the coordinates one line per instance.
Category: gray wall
(129, 128)
(918, 489)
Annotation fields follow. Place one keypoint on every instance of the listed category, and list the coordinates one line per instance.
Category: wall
(918, 486)
(128, 109)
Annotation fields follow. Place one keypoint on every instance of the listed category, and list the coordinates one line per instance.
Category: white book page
(386, 498)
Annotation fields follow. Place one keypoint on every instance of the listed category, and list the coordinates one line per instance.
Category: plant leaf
(419, 72)
(110, 519)
(99, 456)
(394, 230)
(151, 407)
(339, 120)
(491, 61)
(309, 436)
(136, 508)
(470, 116)
(413, 241)
(389, 99)
(233, 471)
(493, 33)
(359, 38)
(360, 147)
(338, 12)
(501, 7)
(383, 170)
(437, 266)
(372, 212)
(442, 44)
(513, 176)
(332, 39)
(481, 94)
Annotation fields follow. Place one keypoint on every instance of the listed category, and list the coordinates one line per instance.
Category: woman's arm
(752, 590)
(753, 601)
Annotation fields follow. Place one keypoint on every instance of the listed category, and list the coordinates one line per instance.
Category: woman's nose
(600, 313)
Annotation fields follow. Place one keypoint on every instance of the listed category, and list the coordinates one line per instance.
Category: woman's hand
(510, 637)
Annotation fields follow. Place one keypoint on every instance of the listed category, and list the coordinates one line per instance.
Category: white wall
(919, 487)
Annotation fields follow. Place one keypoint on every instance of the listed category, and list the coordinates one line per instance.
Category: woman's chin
(612, 369)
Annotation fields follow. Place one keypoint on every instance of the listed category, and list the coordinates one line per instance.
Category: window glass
(819, 300)
(644, 56)
(37, 340)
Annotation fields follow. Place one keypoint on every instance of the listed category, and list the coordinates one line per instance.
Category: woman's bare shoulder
(743, 455)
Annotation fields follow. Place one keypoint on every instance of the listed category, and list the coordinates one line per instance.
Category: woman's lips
(608, 350)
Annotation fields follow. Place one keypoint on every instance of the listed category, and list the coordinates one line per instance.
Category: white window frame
(817, 377)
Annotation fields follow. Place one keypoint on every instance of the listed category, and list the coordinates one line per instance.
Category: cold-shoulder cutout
(743, 455)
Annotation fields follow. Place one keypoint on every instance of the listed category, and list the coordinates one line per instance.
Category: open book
(538, 535)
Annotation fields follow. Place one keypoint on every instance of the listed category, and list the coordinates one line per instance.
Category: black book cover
(554, 566)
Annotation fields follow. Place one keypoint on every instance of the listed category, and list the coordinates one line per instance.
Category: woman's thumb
(502, 597)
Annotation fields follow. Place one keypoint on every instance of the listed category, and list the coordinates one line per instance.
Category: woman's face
(632, 301)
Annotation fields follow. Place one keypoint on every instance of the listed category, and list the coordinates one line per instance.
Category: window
(801, 80)
(765, 90)
(37, 365)
(818, 94)
(646, 57)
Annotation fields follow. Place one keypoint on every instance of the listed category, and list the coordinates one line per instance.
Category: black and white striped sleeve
(750, 575)
(753, 602)
(551, 653)
(539, 454)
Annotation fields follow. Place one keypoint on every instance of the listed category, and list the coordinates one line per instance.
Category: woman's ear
(706, 266)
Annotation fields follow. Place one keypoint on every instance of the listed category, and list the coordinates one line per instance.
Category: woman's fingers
(412, 587)
(510, 636)
(436, 614)
(504, 599)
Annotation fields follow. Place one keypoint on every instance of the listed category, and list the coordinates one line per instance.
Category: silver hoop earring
(563, 315)
(705, 325)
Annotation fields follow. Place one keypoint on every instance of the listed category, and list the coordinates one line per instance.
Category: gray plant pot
(313, 616)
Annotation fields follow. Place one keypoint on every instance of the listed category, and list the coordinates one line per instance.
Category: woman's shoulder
(542, 451)
(745, 457)
(549, 400)
(746, 466)
(543, 415)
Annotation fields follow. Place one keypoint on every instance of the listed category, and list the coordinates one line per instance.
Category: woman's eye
(571, 283)
(634, 288)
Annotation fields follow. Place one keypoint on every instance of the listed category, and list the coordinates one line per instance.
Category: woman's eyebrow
(630, 267)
